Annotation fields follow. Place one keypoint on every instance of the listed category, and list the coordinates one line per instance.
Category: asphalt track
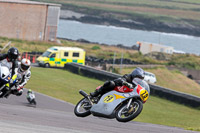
(55, 116)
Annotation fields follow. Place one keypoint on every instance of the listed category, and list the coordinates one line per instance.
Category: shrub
(95, 48)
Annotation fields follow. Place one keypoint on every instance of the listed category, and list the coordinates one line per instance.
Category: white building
(146, 47)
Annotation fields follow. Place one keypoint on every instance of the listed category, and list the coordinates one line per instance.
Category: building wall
(24, 21)
(52, 22)
(146, 48)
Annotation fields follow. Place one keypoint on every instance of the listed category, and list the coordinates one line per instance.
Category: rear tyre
(82, 109)
(124, 115)
(47, 65)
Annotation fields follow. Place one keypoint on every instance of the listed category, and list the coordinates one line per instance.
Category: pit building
(29, 20)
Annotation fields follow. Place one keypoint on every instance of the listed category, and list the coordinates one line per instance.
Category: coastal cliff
(136, 23)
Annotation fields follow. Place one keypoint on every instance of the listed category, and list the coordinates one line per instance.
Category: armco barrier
(169, 94)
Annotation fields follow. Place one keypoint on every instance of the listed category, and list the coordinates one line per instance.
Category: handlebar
(129, 85)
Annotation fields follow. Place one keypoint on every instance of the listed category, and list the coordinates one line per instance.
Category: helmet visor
(24, 67)
(12, 57)
(140, 76)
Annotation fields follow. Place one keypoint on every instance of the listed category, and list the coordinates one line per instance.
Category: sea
(113, 35)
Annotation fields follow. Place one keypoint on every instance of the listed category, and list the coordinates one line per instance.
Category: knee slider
(112, 84)
(109, 84)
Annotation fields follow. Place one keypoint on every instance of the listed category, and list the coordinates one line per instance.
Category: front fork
(129, 103)
(129, 107)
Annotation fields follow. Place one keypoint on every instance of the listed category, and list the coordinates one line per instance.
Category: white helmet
(25, 64)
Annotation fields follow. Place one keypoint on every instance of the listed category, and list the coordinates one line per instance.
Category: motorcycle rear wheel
(82, 109)
(124, 115)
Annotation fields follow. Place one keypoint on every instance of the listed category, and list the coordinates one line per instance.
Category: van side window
(53, 56)
(66, 54)
(75, 54)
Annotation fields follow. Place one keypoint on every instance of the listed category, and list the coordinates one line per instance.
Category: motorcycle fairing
(5, 75)
(110, 101)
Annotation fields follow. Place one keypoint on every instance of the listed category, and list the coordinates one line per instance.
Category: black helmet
(137, 73)
(13, 53)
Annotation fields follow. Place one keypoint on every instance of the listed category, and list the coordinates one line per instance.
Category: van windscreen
(46, 54)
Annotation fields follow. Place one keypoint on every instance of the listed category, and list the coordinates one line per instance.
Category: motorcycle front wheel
(124, 114)
(82, 109)
(3, 92)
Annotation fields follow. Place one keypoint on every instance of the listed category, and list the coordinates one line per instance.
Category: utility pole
(122, 56)
(113, 61)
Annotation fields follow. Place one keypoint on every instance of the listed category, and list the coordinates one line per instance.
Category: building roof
(66, 48)
(28, 2)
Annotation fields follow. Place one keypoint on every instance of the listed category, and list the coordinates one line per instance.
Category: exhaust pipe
(83, 93)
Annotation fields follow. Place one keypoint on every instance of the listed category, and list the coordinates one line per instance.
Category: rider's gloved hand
(19, 90)
(129, 85)
(11, 81)
(19, 87)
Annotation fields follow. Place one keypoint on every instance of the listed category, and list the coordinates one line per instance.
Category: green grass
(150, 9)
(185, 61)
(178, 4)
(65, 85)
(164, 112)
(60, 83)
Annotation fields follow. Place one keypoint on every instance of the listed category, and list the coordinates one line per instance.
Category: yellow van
(59, 56)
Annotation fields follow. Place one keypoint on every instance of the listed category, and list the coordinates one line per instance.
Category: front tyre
(124, 114)
(33, 102)
(3, 92)
(82, 109)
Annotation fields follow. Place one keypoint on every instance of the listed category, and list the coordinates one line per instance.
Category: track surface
(56, 116)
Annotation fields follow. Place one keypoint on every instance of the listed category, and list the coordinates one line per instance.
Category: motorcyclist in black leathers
(127, 78)
(10, 59)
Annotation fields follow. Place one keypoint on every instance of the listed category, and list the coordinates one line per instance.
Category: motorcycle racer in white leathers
(24, 74)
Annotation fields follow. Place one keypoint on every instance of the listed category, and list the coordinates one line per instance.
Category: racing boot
(96, 92)
(108, 86)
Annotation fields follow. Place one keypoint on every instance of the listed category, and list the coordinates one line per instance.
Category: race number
(108, 99)
(144, 95)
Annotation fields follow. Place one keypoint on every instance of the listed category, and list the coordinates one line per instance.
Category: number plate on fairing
(108, 99)
(144, 95)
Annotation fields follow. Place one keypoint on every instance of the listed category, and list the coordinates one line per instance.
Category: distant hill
(175, 16)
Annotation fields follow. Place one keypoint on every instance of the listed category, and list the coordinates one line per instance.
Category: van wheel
(47, 65)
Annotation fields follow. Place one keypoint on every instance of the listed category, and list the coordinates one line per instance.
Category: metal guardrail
(172, 95)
